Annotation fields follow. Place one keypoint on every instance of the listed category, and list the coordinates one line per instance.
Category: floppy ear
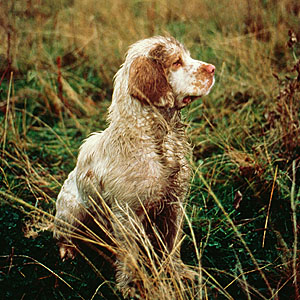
(148, 83)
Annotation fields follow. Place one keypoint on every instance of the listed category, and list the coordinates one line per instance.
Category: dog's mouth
(189, 99)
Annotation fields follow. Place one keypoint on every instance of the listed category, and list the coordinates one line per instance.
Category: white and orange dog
(138, 164)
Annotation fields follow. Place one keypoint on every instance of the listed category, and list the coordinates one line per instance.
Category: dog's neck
(170, 114)
(134, 113)
(146, 127)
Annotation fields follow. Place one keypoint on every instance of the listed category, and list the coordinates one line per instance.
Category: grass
(242, 214)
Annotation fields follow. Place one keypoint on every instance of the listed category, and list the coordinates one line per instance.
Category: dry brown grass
(57, 61)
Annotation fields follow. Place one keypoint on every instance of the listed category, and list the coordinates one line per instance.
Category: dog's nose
(210, 69)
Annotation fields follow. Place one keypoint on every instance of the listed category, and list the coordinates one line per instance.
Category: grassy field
(57, 62)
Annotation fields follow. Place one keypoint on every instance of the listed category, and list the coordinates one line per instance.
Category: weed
(57, 61)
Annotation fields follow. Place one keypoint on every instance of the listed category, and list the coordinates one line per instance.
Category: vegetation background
(57, 62)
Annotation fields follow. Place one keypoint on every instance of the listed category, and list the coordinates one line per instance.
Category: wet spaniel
(137, 168)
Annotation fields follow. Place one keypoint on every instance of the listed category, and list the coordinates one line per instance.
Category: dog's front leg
(127, 230)
(169, 223)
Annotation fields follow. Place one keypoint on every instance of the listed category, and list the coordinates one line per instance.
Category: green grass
(57, 62)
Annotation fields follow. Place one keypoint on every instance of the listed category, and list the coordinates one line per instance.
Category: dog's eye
(177, 63)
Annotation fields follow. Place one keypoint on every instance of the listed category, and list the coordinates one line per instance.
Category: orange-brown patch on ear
(148, 82)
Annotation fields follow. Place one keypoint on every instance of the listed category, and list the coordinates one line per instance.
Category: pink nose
(210, 69)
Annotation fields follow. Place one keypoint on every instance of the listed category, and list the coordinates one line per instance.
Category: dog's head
(162, 73)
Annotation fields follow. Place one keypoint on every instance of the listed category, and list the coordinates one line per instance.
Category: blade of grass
(238, 234)
(295, 231)
(7, 112)
(269, 207)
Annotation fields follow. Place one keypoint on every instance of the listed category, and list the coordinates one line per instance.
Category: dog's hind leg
(69, 215)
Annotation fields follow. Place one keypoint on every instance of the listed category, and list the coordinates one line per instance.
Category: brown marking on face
(159, 53)
(165, 58)
(201, 76)
(148, 82)
(177, 63)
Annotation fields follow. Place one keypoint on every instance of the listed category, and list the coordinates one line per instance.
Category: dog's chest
(173, 151)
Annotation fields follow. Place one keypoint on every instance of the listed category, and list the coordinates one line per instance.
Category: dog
(137, 166)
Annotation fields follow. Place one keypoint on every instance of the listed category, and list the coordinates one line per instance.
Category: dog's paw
(67, 252)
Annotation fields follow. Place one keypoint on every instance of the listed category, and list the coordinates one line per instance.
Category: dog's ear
(148, 82)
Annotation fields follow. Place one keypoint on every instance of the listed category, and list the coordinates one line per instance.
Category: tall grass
(57, 61)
